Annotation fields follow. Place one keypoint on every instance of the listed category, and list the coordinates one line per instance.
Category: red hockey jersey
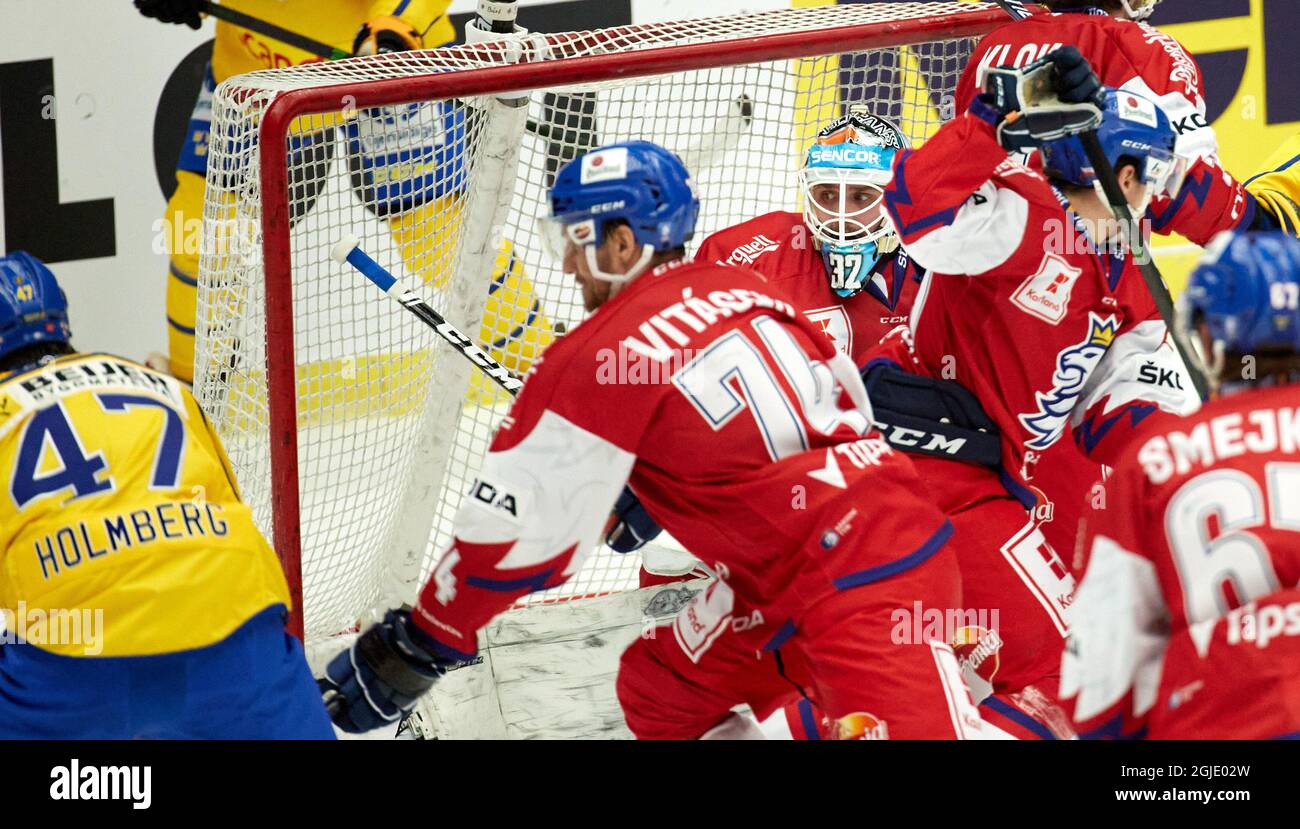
(742, 430)
(781, 247)
(1137, 58)
(1020, 307)
(1183, 608)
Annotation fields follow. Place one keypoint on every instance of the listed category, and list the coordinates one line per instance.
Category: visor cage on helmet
(852, 155)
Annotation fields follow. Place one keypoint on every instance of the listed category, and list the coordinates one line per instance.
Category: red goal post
(302, 372)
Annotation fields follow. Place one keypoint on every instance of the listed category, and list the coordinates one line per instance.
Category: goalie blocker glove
(380, 678)
(633, 527)
(1052, 98)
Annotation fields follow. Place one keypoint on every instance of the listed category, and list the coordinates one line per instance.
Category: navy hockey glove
(379, 678)
(171, 11)
(1050, 99)
(632, 526)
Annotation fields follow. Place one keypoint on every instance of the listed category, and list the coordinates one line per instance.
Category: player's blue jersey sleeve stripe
(1092, 430)
(531, 583)
(1019, 717)
(898, 195)
(1199, 190)
(181, 328)
(782, 635)
(931, 546)
(808, 721)
(1017, 490)
(1112, 729)
(181, 276)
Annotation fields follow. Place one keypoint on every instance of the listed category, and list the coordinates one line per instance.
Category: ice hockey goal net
(353, 430)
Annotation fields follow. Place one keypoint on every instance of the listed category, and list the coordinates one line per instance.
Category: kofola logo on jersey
(1046, 294)
(1074, 365)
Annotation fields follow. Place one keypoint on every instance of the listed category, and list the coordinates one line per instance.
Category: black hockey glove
(632, 526)
(1050, 99)
(379, 678)
(171, 11)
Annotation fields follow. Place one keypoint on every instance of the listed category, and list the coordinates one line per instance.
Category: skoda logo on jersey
(1074, 365)
(491, 496)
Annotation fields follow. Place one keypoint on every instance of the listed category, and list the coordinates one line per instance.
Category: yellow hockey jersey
(238, 50)
(1278, 186)
(118, 497)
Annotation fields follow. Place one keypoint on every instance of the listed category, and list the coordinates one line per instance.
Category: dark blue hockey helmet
(33, 308)
(1132, 126)
(638, 182)
(1246, 291)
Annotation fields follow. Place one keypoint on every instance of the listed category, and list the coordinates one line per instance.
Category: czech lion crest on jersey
(1074, 365)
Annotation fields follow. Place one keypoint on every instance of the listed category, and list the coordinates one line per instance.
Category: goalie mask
(843, 180)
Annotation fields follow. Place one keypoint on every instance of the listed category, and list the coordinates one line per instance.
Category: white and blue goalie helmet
(843, 179)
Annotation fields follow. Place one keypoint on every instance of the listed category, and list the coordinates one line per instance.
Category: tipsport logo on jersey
(1074, 365)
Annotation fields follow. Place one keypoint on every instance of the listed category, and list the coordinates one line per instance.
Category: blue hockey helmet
(1134, 127)
(854, 153)
(638, 182)
(1246, 291)
(33, 308)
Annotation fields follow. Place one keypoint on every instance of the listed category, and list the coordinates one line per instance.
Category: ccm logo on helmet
(608, 206)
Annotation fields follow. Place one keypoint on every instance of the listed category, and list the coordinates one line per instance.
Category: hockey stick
(271, 30)
(1146, 264)
(349, 252)
(1150, 273)
(1015, 8)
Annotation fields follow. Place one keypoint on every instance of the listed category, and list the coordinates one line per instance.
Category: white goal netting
(444, 189)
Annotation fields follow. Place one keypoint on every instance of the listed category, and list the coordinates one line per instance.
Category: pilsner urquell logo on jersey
(1074, 365)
